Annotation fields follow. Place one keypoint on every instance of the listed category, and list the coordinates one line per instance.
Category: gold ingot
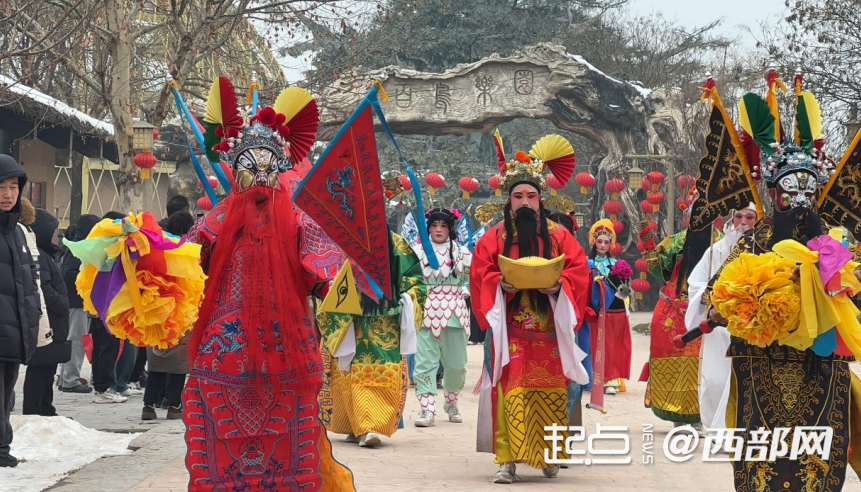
(532, 272)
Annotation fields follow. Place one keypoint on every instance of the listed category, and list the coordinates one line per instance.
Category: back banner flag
(343, 194)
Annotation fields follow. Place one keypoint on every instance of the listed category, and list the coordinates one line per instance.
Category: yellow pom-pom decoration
(758, 297)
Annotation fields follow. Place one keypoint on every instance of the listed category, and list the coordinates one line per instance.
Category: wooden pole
(671, 195)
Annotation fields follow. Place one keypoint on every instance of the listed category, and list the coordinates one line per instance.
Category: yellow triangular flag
(343, 296)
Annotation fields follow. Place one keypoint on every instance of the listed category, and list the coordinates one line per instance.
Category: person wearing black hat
(446, 323)
(19, 296)
(531, 356)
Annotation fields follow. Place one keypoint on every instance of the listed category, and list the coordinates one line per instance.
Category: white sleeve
(698, 281)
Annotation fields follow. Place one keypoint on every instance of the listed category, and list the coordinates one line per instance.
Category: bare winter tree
(111, 58)
(822, 40)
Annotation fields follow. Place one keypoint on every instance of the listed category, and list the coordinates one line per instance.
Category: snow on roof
(93, 124)
(639, 88)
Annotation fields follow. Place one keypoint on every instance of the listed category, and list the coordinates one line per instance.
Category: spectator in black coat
(79, 320)
(19, 296)
(38, 383)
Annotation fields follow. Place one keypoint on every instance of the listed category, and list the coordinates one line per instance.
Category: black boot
(8, 461)
(148, 413)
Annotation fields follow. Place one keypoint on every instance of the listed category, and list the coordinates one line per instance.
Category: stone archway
(541, 81)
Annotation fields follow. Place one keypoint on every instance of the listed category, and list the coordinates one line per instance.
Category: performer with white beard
(715, 366)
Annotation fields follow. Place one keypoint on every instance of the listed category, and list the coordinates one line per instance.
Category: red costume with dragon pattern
(250, 404)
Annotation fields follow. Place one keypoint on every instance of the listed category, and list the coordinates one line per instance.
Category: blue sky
(735, 13)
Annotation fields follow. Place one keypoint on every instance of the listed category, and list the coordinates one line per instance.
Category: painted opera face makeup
(602, 245)
(257, 166)
(439, 231)
(796, 190)
(525, 195)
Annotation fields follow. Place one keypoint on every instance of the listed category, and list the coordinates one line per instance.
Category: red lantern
(655, 178)
(405, 183)
(646, 207)
(468, 185)
(145, 161)
(434, 181)
(155, 134)
(642, 265)
(681, 203)
(614, 187)
(204, 203)
(493, 182)
(213, 182)
(613, 207)
(616, 249)
(640, 286)
(686, 181)
(585, 180)
(554, 184)
(618, 226)
(655, 199)
(654, 226)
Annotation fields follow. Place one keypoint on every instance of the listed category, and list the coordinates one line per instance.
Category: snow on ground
(53, 447)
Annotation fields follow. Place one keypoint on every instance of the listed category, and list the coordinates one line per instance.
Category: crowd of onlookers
(43, 324)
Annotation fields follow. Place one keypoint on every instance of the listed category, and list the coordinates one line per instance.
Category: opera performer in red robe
(614, 274)
(250, 404)
(532, 354)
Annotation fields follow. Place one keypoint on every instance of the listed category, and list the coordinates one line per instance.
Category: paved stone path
(438, 458)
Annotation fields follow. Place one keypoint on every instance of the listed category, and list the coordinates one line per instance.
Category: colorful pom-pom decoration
(145, 285)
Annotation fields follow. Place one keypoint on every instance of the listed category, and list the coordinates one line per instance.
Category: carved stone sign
(542, 81)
